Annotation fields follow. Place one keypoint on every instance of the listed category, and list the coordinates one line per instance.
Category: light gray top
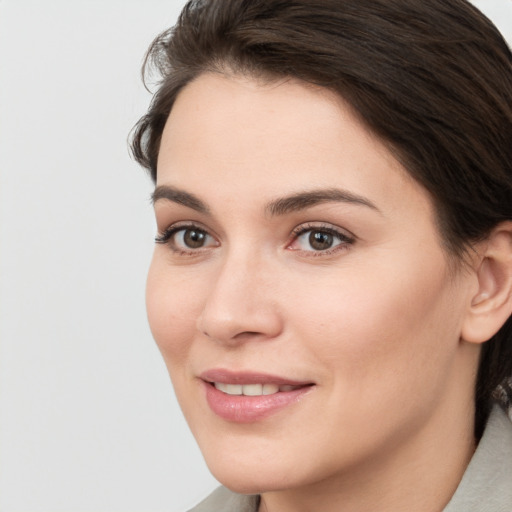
(223, 500)
(487, 483)
(485, 487)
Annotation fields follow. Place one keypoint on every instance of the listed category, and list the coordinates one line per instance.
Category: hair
(432, 79)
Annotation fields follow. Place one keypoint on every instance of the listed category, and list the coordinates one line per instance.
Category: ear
(491, 305)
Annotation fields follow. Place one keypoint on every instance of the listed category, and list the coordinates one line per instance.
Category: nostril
(247, 334)
(238, 322)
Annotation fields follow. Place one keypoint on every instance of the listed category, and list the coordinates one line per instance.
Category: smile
(253, 389)
(247, 397)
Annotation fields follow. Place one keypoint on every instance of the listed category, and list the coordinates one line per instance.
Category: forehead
(237, 135)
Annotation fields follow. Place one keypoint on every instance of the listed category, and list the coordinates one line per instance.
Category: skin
(374, 322)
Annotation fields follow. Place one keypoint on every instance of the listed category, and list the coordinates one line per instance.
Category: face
(298, 291)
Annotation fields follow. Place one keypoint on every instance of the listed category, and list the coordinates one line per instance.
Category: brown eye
(192, 238)
(187, 239)
(320, 240)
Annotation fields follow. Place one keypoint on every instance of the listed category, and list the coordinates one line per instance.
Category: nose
(242, 303)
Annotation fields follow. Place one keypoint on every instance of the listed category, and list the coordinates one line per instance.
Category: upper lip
(225, 376)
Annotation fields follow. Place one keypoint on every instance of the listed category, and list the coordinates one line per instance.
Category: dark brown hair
(433, 79)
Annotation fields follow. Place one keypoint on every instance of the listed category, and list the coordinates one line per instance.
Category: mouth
(250, 397)
(254, 389)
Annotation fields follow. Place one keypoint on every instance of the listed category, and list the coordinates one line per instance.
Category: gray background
(88, 418)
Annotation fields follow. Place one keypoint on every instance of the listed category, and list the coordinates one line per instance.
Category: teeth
(270, 389)
(234, 389)
(252, 389)
(229, 389)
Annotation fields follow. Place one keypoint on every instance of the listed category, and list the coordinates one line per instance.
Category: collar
(487, 483)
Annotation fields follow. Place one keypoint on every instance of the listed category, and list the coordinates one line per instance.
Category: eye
(186, 238)
(319, 239)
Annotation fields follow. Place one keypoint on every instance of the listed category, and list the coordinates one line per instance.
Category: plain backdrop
(88, 419)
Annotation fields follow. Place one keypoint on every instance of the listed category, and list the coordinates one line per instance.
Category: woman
(331, 287)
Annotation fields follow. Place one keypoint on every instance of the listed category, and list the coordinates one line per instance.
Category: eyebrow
(179, 196)
(280, 206)
(304, 200)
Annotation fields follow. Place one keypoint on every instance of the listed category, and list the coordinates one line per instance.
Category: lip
(249, 409)
(232, 377)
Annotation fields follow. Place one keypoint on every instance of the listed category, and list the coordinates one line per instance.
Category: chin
(251, 480)
(255, 470)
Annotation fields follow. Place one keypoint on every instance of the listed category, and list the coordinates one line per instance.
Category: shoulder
(223, 500)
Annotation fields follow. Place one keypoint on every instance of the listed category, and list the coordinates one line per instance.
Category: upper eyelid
(191, 224)
(345, 238)
(298, 230)
(165, 234)
(166, 238)
(327, 226)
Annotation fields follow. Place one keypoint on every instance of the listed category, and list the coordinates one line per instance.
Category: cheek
(172, 304)
(382, 327)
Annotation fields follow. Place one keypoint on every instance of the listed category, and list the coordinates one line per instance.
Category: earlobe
(491, 305)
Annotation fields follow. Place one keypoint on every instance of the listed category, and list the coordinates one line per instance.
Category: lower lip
(249, 409)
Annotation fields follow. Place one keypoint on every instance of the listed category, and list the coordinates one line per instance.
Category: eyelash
(345, 240)
(167, 238)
